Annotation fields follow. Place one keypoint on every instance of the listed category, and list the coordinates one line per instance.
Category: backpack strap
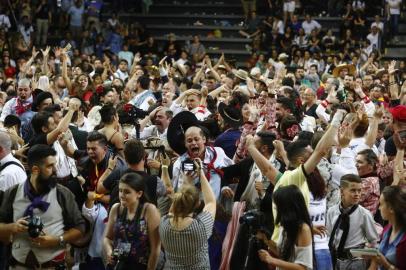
(6, 201)
(8, 163)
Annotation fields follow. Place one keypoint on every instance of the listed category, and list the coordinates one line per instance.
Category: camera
(122, 251)
(129, 114)
(35, 226)
(188, 165)
(252, 218)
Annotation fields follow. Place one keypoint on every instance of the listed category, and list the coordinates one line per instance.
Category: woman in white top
(295, 247)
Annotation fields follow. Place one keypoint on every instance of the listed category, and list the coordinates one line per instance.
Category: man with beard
(20, 105)
(39, 198)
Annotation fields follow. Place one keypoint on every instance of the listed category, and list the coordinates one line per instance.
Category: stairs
(397, 50)
(186, 18)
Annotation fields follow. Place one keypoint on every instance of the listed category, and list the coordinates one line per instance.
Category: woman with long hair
(131, 238)
(110, 127)
(184, 234)
(392, 248)
(295, 245)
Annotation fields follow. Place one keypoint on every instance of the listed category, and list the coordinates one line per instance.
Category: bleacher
(179, 17)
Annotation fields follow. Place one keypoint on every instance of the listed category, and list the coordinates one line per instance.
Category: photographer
(185, 235)
(214, 159)
(37, 216)
(131, 238)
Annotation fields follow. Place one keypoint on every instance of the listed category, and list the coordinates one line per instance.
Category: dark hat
(177, 128)
(39, 99)
(398, 113)
(231, 115)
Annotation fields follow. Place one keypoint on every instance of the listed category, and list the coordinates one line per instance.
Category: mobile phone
(68, 47)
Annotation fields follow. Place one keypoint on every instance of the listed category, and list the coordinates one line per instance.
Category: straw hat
(349, 67)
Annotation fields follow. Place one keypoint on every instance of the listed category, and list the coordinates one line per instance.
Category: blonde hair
(184, 202)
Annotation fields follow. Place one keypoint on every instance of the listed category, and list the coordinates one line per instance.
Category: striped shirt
(188, 248)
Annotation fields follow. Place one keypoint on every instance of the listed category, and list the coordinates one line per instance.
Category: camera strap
(125, 222)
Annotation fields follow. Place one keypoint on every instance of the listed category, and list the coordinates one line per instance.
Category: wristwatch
(61, 241)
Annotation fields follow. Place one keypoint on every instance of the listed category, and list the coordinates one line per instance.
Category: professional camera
(188, 165)
(252, 218)
(130, 114)
(35, 226)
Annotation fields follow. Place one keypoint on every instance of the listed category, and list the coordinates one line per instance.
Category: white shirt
(121, 75)
(201, 113)
(280, 27)
(309, 26)
(148, 132)
(349, 153)
(144, 104)
(12, 174)
(318, 214)
(26, 33)
(374, 39)
(215, 180)
(378, 25)
(65, 165)
(5, 22)
(394, 6)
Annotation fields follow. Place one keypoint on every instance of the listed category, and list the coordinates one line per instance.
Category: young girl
(295, 247)
(132, 229)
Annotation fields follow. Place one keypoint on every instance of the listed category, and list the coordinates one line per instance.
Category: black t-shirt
(39, 139)
(43, 12)
(111, 184)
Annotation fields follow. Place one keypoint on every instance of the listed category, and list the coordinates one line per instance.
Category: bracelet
(164, 166)
(110, 169)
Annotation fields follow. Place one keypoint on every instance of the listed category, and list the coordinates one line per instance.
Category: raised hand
(45, 52)
(391, 68)
(162, 61)
(344, 136)
(57, 52)
(379, 111)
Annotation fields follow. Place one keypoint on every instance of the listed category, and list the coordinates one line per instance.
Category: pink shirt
(370, 193)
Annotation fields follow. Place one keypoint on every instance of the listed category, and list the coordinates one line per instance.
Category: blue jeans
(323, 259)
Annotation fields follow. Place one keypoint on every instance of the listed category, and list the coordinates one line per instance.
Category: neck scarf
(22, 106)
(342, 223)
(36, 200)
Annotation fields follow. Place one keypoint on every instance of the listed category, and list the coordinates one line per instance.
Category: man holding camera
(37, 216)
(213, 159)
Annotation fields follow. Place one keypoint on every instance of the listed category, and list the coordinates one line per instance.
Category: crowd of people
(121, 155)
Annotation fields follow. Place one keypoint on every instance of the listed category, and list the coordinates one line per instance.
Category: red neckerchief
(210, 166)
(21, 107)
